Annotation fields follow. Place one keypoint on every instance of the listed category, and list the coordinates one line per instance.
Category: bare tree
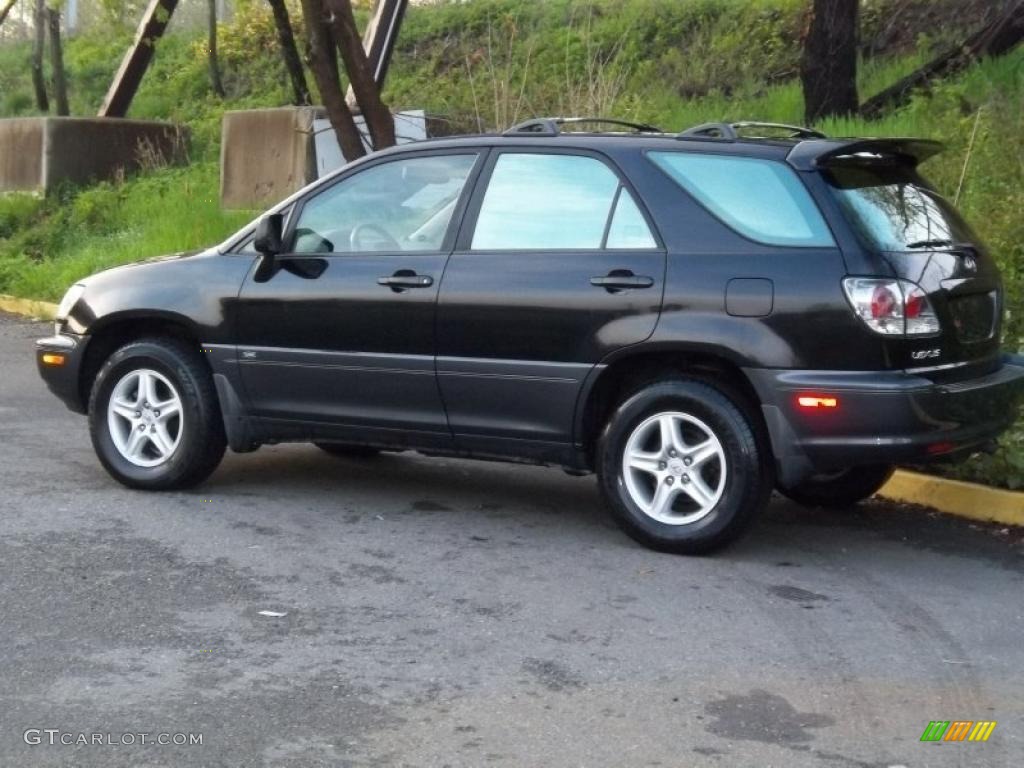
(324, 63)
(136, 60)
(331, 31)
(996, 38)
(211, 53)
(377, 116)
(828, 67)
(6, 9)
(60, 83)
(290, 53)
(38, 48)
(598, 88)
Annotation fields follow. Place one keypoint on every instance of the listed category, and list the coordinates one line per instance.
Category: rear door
(556, 266)
(917, 235)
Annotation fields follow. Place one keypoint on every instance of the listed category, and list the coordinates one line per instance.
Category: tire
(349, 451)
(181, 445)
(732, 465)
(842, 489)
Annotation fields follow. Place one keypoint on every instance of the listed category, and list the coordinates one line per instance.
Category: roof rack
(551, 126)
(731, 131)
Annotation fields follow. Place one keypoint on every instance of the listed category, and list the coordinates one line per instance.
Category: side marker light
(817, 401)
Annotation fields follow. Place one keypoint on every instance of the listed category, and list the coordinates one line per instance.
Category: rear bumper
(883, 417)
(63, 379)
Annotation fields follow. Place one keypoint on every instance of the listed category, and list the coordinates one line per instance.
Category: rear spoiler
(823, 153)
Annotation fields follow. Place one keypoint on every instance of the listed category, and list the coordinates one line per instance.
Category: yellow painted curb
(28, 307)
(955, 497)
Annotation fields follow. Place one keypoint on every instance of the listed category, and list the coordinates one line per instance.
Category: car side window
(628, 229)
(557, 202)
(761, 199)
(401, 205)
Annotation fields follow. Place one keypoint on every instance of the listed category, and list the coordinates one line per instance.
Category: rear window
(763, 200)
(894, 209)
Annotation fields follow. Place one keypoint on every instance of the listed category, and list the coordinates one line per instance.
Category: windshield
(894, 209)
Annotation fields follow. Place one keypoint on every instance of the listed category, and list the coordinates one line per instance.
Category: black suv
(698, 318)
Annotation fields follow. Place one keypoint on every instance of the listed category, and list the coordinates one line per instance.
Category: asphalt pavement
(438, 612)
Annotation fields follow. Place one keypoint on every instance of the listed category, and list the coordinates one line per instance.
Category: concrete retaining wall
(265, 155)
(21, 154)
(39, 153)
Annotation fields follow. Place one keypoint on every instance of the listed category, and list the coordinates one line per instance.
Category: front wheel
(154, 417)
(680, 467)
(841, 489)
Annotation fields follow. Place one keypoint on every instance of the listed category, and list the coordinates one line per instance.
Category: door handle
(405, 278)
(620, 280)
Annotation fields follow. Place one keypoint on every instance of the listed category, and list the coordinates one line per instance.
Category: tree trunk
(828, 67)
(994, 39)
(211, 23)
(6, 9)
(38, 47)
(136, 61)
(379, 121)
(325, 71)
(290, 53)
(60, 83)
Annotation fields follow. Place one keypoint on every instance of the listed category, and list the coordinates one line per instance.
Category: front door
(557, 265)
(337, 338)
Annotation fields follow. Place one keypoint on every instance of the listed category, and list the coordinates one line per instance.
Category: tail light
(891, 307)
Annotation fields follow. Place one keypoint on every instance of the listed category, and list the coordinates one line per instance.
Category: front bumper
(63, 379)
(883, 417)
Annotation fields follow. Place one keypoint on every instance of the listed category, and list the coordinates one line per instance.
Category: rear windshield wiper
(942, 243)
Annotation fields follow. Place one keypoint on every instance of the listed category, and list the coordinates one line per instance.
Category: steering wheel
(355, 238)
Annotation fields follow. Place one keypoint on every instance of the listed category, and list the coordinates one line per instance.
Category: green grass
(58, 241)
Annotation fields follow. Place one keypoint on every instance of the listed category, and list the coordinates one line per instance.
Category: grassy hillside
(486, 63)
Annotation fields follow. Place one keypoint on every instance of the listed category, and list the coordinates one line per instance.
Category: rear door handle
(621, 282)
(405, 278)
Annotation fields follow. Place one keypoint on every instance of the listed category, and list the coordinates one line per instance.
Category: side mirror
(268, 235)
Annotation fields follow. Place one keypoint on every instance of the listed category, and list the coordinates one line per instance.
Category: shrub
(17, 212)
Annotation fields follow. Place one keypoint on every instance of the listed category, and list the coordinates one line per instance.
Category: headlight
(73, 295)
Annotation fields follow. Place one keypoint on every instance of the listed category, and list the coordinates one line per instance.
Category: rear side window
(761, 199)
(557, 202)
(628, 229)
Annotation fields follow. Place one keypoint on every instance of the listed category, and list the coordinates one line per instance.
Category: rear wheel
(347, 450)
(840, 489)
(154, 417)
(680, 467)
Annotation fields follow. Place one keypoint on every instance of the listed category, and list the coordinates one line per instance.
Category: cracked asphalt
(441, 612)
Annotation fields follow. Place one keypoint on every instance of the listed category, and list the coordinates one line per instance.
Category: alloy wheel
(144, 417)
(674, 468)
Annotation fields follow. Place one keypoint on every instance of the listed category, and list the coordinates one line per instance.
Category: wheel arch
(115, 330)
(631, 368)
